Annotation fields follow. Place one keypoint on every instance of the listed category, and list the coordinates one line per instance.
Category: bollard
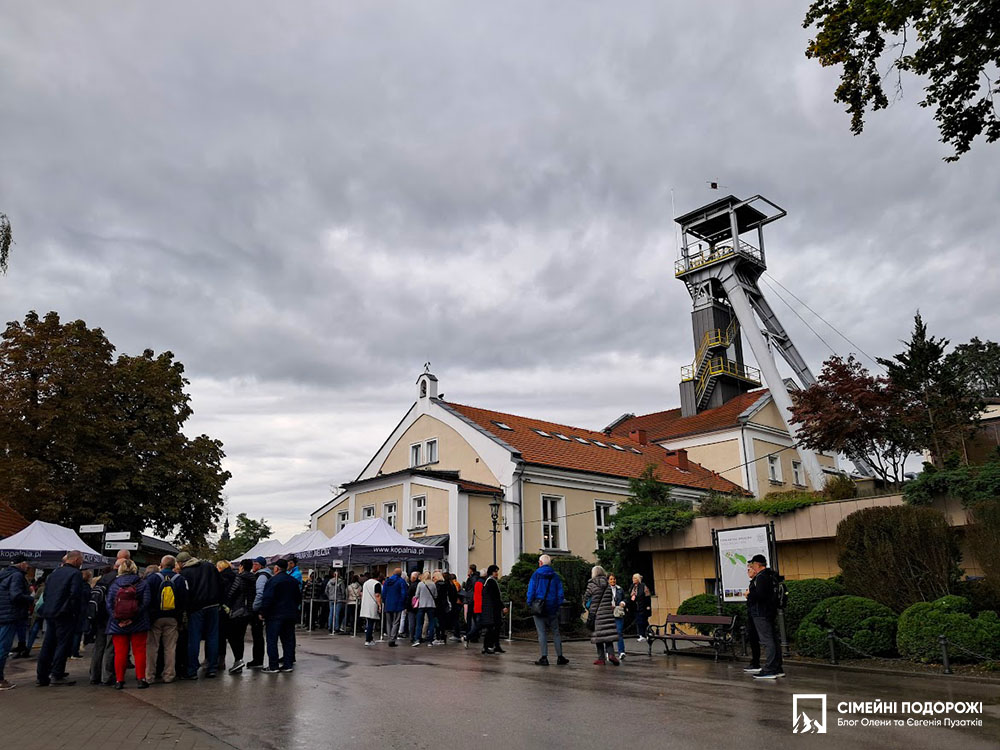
(833, 647)
(743, 638)
(944, 654)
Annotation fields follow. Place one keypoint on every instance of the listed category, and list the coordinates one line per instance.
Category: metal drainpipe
(746, 464)
(519, 474)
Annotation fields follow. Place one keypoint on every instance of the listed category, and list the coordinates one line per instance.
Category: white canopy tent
(44, 545)
(303, 545)
(264, 548)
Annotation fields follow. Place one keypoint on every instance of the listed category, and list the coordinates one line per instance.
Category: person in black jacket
(239, 601)
(204, 596)
(493, 611)
(14, 601)
(762, 613)
(279, 607)
(228, 575)
(61, 610)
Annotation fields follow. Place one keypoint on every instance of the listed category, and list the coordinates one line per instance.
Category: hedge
(861, 623)
(706, 604)
(951, 616)
(804, 595)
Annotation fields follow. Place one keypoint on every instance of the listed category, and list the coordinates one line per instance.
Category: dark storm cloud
(307, 201)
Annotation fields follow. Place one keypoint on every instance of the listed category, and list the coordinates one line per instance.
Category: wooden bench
(720, 638)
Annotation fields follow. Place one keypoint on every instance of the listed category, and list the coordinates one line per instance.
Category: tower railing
(724, 366)
(708, 256)
(714, 339)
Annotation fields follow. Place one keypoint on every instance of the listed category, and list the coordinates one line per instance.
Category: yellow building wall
(377, 497)
(762, 448)
(720, 456)
(454, 453)
(769, 416)
(437, 507)
(481, 525)
(580, 524)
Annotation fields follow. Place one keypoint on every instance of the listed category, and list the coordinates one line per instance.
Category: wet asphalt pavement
(342, 694)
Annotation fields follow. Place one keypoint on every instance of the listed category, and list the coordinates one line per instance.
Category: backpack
(780, 592)
(126, 603)
(96, 604)
(168, 598)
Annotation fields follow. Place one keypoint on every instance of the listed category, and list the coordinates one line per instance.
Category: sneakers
(621, 655)
(269, 670)
(768, 675)
(751, 670)
(600, 662)
(119, 685)
(63, 682)
(368, 643)
(4, 685)
(438, 642)
(640, 639)
(143, 685)
(543, 661)
(415, 644)
(498, 650)
(286, 669)
(237, 667)
(488, 651)
(561, 661)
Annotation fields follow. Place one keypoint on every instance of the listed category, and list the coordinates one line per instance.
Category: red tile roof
(478, 488)
(666, 425)
(587, 457)
(11, 521)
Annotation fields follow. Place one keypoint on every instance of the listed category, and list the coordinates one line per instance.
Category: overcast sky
(307, 201)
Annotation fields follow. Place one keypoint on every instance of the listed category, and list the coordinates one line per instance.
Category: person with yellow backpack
(167, 597)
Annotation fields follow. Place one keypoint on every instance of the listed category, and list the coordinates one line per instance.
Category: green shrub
(840, 487)
(706, 604)
(715, 505)
(921, 624)
(861, 623)
(804, 595)
(970, 484)
(572, 571)
(897, 555)
(982, 597)
(773, 504)
(983, 537)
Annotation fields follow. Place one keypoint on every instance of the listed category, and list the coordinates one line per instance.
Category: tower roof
(711, 222)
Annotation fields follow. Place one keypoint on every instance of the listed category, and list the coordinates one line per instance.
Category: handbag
(537, 606)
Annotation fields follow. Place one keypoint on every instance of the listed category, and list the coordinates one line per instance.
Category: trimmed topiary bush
(951, 616)
(897, 555)
(861, 623)
(804, 595)
(705, 604)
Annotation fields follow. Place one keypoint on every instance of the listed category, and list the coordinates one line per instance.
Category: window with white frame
(431, 452)
(603, 512)
(342, 519)
(389, 513)
(774, 468)
(797, 475)
(552, 522)
(415, 454)
(420, 511)
(368, 512)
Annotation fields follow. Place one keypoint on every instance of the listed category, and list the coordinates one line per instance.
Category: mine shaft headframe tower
(721, 265)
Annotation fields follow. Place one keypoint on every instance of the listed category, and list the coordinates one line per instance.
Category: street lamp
(494, 515)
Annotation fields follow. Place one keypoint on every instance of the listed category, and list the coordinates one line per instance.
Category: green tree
(978, 362)
(944, 407)
(848, 410)
(249, 532)
(953, 44)
(649, 511)
(89, 439)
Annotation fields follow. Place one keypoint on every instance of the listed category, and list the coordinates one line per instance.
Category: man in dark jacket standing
(279, 607)
(762, 613)
(261, 575)
(61, 610)
(204, 596)
(167, 596)
(14, 601)
(394, 601)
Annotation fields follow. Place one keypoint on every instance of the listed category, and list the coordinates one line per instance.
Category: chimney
(639, 436)
(678, 458)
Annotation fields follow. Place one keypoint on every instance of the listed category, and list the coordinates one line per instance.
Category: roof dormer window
(503, 426)
(561, 436)
(581, 440)
(543, 433)
(599, 444)
(617, 447)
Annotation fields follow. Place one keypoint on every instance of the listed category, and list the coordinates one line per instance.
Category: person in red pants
(128, 623)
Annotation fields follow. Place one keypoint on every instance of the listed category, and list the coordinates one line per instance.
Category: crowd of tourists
(177, 618)
(169, 621)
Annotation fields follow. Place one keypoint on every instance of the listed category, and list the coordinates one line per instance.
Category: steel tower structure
(721, 267)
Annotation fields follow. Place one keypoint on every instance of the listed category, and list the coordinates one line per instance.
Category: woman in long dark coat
(493, 611)
(599, 600)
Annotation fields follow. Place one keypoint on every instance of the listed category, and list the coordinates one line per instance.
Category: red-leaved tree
(850, 411)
